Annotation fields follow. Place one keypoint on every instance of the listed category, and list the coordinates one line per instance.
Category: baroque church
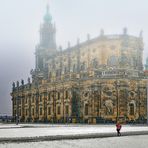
(97, 81)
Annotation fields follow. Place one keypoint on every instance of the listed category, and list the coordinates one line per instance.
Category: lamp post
(54, 103)
(117, 96)
(139, 103)
(45, 106)
(147, 99)
(63, 100)
(78, 101)
(37, 100)
(95, 99)
(100, 106)
(17, 104)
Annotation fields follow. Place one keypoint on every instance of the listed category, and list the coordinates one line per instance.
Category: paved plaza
(112, 142)
(71, 136)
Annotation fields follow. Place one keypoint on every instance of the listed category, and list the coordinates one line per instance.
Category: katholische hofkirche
(100, 80)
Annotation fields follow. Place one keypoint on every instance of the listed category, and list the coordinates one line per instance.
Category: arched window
(67, 110)
(65, 70)
(131, 111)
(49, 97)
(59, 110)
(49, 110)
(74, 68)
(86, 109)
(33, 111)
(41, 111)
(66, 94)
(83, 66)
(40, 98)
(50, 75)
(58, 95)
(57, 73)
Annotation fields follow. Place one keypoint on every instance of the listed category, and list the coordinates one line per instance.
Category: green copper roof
(47, 17)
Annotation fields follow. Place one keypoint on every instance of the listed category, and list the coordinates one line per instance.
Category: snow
(115, 142)
(35, 130)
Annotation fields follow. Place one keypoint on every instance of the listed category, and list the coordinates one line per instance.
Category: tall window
(67, 109)
(58, 95)
(66, 94)
(26, 112)
(33, 111)
(131, 109)
(20, 112)
(57, 73)
(41, 111)
(74, 68)
(14, 102)
(94, 63)
(86, 109)
(49, 97)
(33, 99)
(59, 110)
(83, 66)
(40, 98)
(26, 100)
(65, 70)
(50, 75)
(49, 110)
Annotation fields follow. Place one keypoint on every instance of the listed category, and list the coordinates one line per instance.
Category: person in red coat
(118, 128)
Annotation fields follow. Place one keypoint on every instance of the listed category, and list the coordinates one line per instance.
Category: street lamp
(54, 102)
(37, 100)
(17, 104)
(147, 101)
(117, 96)
(95, 98)
(45, 106)
(139, 103)
(100, 106)
(78, 100)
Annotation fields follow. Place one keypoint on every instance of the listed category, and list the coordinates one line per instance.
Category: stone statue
(13, 84)
(141, 34)
(132, 103)
(28, 80)
(109, 106)
(17, 83)
(22, 82)
(125, 31)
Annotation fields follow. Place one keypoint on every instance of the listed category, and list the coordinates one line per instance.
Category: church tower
(47, 44)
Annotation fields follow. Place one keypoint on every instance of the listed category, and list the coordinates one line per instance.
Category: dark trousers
(118, 132)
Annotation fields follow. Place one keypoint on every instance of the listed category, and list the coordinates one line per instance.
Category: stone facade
(101, 79)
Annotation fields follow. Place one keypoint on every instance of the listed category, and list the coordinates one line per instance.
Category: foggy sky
(19, 30)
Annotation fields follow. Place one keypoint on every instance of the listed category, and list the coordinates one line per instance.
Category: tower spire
(47, 17)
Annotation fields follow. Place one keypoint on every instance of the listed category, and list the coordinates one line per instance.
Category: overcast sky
(19, 30)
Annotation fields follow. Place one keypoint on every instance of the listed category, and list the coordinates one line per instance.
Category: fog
(20, 22)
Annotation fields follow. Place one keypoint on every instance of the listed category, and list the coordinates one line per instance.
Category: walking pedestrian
(118, 128)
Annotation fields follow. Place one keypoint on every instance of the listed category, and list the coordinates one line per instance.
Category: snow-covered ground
(36, 130)
(115, 142)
